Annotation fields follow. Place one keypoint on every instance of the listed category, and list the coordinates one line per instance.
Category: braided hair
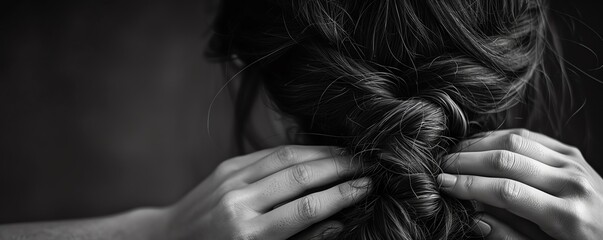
(396, 83)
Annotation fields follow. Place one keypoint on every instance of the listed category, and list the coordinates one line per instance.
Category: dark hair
(397, 83)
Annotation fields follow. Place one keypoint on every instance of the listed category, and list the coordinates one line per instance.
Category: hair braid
(397, 83)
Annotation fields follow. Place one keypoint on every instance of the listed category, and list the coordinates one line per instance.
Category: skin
(529, 185)
(261, 196)
(268, 194)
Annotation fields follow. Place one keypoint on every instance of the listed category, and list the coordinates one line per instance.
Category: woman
(398, 84)
(390, 95)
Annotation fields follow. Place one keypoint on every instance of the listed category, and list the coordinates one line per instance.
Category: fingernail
(482, 228)
(446, 180)
(360, 186)
(361, 182)
(340, 151)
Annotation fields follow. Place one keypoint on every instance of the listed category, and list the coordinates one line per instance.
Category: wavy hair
(396, 83)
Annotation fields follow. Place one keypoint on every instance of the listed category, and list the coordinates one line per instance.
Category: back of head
(396, 83)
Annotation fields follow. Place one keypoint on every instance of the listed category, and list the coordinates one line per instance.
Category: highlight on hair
(396, 83)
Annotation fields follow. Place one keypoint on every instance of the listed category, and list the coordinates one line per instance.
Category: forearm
(133, 225)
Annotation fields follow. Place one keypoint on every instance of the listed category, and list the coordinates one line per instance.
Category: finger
(499, 230)
(251, 158)
(299, 214)
(237, 172)
(548, 142)
(295, 180)
(284, 157)
(514, 143)
(545, 140)
(325, 230)
(506, 164)
(518, 198)
(229, 167)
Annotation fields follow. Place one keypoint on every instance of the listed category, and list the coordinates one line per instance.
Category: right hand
(531, 186)
(264, 195)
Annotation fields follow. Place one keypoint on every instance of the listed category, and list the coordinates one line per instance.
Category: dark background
(103, 104)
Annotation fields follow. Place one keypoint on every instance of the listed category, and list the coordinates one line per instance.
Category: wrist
(177, 224)
(147, 223)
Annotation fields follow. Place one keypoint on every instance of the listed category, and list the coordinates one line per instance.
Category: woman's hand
(270, 194)
(538, 180)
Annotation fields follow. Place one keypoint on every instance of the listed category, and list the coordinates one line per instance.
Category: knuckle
(468, 182)
(307, 209)
(513, 142)
(226, 168)
(576, 167)
(509, 191)
(522, 132)
(574, 151)
(578, 183)
(503, 161)
(231, 204)
(582, 181)
(230, 198)
(286, 154)
(301, 174)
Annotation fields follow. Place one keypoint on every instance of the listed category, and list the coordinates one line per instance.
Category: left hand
(531, 178)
